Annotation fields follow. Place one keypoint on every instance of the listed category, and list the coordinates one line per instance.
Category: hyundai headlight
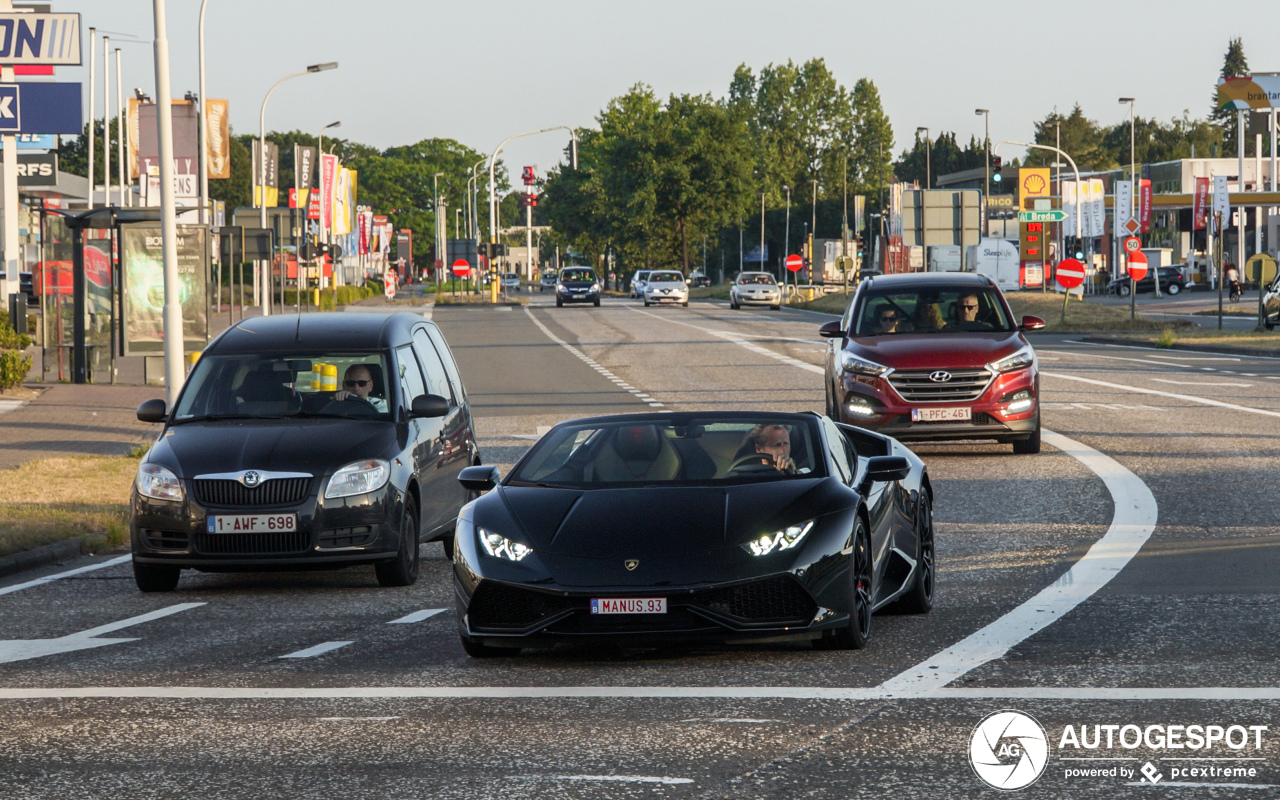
(499, 546)
(1025, 357)
(361, 477)
(158, 483)
(861, 366)
(784, 539)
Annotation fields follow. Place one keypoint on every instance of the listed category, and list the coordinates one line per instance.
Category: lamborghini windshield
(690, 452)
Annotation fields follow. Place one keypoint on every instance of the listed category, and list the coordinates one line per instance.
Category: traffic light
(996, 163)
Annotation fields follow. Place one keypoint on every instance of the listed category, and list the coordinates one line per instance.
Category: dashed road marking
(589, 361)
(318, 650)
(17, 587)
(417, 616)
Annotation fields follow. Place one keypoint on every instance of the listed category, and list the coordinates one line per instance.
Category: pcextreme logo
(1008, 750)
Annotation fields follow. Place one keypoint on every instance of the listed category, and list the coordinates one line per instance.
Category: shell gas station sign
(1033, 185)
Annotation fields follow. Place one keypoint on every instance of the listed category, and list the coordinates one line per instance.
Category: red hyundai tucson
(934, 356)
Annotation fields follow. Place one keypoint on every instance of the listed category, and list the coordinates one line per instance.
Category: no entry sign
(1137, 265)
(795, 263)
(1070, 273)
(461, 268)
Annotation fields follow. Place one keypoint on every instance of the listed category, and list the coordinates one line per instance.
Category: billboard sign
(37, 169)
(1252, 91)
(40, 108)
(142, 287)
(186, 137)
(1200, 205)
(40, 38)
(304, 172)
(35, 141)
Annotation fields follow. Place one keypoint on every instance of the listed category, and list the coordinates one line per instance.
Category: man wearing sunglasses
(357, 384)
(966, 315)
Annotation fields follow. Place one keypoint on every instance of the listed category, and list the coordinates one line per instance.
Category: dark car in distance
(303, 442)
(931, 356)
(577, 285)
(694, 526)
(1171, 282)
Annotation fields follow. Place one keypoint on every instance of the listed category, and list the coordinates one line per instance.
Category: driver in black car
(773, 444)
(357, 384)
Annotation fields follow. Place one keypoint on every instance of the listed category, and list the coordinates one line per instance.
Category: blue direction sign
(40, 108)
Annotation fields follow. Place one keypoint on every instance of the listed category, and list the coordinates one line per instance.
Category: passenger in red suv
(930, 356)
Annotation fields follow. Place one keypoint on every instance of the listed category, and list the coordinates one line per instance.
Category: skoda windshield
(604, 454)
(941, 311)
(271, 386)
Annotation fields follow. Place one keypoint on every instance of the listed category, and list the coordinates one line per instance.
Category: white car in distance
(666, 286)
(755, 289)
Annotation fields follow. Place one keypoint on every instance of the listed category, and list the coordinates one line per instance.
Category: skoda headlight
(862, 366)
(499, 546)
(158, 483)
(1025, 357)
(361, 477)
(784, 539)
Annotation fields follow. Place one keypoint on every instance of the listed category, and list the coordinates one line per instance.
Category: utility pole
(986, 140)
(928, 157)
(813, 231)
(762, 261)
(173, 333)
(786, 234)
(844, 220)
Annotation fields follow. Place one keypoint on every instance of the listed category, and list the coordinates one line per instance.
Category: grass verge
(52, 499)
(1264, 343)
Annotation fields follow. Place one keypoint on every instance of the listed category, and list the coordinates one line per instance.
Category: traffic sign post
(1137, 264)
(1069, 274)
(1052, 215)
(1132, 244)
(795, 263)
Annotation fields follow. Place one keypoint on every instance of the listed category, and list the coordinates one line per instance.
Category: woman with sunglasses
(357, 384)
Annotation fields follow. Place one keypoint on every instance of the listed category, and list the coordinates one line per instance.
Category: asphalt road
(1124, 576)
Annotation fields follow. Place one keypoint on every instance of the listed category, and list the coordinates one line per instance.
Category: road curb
(64, 550)
(1208, 348)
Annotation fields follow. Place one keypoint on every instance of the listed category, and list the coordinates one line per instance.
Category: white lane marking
(9, 405)
(417, 616)
(1200, 383)
(741, 342)
(1131, 525)
(1190, 785)
(612, 779)
(732, 721)
(1217, 356)
(1122, 358)
(589, 361)
(356, 719)
(1189, 398)
(23, 649)
(1198, 358)
(17, 587)
(1251, 694)
(320, 649)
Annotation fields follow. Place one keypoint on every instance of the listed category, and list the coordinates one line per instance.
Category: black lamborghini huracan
(730, 526)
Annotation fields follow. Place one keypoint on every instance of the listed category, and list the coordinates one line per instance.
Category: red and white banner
(1144, 205)
(1200, 205)
(365, 219)
(328, 181)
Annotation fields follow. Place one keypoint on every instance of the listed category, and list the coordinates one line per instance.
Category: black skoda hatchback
(298, 442)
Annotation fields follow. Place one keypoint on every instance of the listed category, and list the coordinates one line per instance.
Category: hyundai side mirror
(1030, 323)
(831, 330)
(153, 411)
(887, 468)
(428, 405)
(480, 478)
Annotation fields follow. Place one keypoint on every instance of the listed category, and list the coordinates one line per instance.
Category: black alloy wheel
(857, 632)
(155, 577)
(919, 598)
(403, 569)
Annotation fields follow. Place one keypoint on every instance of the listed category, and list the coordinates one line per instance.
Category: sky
(481, 70)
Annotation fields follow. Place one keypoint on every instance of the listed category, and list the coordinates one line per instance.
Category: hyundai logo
(941, 376)
(250, 479)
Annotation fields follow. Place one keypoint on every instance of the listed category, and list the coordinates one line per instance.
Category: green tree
(871, 151)
(1079, 136)
(1234, 65)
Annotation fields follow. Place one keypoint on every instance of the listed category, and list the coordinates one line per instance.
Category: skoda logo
(941, 376)
(1008, 750)
(250, 479)
(631, 564)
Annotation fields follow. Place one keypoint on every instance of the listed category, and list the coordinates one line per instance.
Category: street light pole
(173, 333)
(263, 284)
(762, 258)
(928, 157)
(493, 192)
(786, 235)
(986, 140)
(1133, 173)
(204, 129)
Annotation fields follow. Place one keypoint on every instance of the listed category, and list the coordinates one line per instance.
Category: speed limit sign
(1132, 244)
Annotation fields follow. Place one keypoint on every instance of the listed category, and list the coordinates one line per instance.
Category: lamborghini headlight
(499, 546)
(784, 539)
(1025, 357)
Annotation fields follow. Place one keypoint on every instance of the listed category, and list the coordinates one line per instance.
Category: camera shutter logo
(1008, 750)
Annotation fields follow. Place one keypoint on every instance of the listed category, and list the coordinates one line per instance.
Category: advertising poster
(328, 177)
(218, 146)
(142, 288)
(304, 173)
(1200, 205)
(272, 172)
(97, 291)
(1097, 207)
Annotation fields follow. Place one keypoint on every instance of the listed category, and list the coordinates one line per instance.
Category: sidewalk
(70, 420)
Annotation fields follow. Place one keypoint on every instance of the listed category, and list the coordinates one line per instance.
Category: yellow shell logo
(1034, 184)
